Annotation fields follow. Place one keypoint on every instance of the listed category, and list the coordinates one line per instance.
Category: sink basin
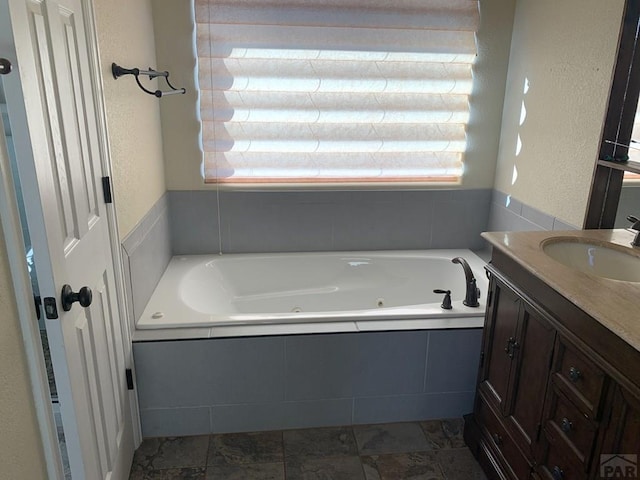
(602, 259)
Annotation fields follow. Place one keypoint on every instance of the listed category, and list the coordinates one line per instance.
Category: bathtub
(365, 288)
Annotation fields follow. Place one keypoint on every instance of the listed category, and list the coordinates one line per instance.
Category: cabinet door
(532, 358)
(621, 444)
(500, 335)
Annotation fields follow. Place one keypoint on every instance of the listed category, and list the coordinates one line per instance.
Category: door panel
(533, 358)
(90, 348)
(498, 363)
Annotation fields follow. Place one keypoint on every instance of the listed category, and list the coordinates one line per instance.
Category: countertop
(613, 303)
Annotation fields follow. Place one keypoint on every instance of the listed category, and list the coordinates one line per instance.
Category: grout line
(353, 410)
(426, 363)
(285, 369)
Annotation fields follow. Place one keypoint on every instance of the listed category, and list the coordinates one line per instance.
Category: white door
(89, 347)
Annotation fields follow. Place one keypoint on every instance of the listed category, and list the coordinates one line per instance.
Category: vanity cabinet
(622, 434)
(555, 388)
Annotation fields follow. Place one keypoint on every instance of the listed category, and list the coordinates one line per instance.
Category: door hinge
(481, 359)
(106, 189)
(129, 375)
(489, 297)
(50, 308)
(37, 301)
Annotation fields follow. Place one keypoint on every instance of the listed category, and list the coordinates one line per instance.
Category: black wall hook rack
(119, 71)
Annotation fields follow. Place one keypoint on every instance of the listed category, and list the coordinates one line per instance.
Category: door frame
(12, 230)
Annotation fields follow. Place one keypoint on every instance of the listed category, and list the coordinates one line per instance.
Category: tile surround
(510, 214)
(326, 220)
(383, 452)
(146, 253)
(297, 381)
(186, 222)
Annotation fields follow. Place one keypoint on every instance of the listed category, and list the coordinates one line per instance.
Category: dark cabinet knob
(68, 297)
(574, 374)
(497, 439)
(557, 473)
(566, 425)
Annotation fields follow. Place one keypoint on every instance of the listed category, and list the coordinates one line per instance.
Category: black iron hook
(119, 71)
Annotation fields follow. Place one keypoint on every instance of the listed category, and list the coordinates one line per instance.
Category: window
(335, 91)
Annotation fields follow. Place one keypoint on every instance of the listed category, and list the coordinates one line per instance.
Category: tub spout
(473, 292)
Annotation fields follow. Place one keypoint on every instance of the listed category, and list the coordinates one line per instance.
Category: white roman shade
(335, 91)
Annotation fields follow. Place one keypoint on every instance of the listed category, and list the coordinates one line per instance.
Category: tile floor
(431, 450)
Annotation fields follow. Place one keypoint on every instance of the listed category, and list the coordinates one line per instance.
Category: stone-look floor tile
(390, 438)
(330, 468)
(171, 452)
(446, 433)
(459, 464)
(197, 473)
(257, 471)
(319, 442)
(403, 466)
(242, 448)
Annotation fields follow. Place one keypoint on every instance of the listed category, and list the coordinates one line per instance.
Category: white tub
(297, 288)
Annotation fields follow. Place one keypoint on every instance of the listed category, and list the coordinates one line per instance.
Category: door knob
(68, 297)
(5, 66)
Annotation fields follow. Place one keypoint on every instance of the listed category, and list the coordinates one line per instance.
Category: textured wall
(21, 454)
(565, 51)
(125, 34)
(180, 126)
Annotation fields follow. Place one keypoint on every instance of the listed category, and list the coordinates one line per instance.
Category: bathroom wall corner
(146, 254)
(510, 214)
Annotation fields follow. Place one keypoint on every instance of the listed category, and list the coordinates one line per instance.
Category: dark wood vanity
(559, 378)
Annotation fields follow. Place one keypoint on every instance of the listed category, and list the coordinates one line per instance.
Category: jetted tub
(288, 288)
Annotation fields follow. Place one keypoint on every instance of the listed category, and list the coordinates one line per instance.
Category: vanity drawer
(580, 378)
(560, 467)
(501, 443)
(570, 426)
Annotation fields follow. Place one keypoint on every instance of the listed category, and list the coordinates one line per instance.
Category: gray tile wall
(510, 214)
(278, 382)
(146, 253)
(186, 222)
(326, 220)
